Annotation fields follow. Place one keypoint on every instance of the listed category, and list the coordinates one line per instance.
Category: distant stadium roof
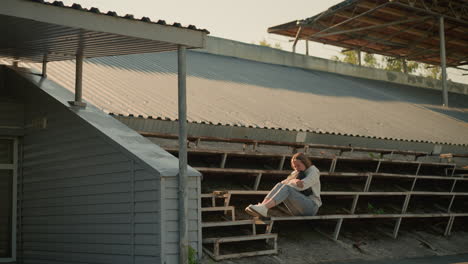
(406, 29)
(34, 30)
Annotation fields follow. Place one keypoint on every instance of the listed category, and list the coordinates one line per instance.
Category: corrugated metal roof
(231, 91)
(34, 30)
(95, 10)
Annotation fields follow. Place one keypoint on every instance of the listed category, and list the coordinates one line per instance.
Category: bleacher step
(271, 239)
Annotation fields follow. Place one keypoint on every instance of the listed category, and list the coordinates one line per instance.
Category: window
(8, 171)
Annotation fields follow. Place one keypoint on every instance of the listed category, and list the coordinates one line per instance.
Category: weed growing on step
(371, 209)
(192, 256)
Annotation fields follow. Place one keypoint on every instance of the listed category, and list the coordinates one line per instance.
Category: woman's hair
(302, 158)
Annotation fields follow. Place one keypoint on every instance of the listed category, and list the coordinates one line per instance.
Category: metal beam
(183, 190)
(395, 34)
(443, 64)
(298, 34)
(372, 27)
(349, 19)
(430, 12)
(460, 68)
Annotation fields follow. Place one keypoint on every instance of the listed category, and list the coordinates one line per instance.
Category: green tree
(390, 64)
(351, 56)
(371, 61)
(265, 43)
(433, 72)
(393, 64)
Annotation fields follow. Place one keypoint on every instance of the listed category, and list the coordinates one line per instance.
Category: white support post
(78, 83)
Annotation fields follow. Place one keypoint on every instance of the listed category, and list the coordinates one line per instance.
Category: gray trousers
(295, 201)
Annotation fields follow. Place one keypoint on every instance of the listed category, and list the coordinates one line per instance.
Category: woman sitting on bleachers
(300, 191)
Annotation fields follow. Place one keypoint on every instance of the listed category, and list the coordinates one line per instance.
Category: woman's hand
(285, 181)
(298, 183)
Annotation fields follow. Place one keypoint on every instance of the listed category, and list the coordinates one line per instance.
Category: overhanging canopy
(406, 29)
(32, 30)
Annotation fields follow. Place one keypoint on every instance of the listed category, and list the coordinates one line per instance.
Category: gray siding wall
(5, 212)
(81, 198)
(170, 217)
(11, 116)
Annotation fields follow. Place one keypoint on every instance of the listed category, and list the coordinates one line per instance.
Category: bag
(301, 175)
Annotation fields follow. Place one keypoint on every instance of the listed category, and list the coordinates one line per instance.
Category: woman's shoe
(251, 212)
(257, 210)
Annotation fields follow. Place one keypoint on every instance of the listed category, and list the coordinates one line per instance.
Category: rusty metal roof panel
(231, 91)
(399, 28)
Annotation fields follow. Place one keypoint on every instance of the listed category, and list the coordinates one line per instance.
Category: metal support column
(44, 67)
(443, 63)
(307, 47)
(78, 82)
(183, 199)
(359, 57)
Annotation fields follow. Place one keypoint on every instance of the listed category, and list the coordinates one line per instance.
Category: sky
(241, 20)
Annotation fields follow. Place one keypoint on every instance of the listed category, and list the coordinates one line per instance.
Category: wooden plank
(325, 174)
(362, 216)
(280, 155)
(242, 171)
(228, 223)
(217, 208)
(252, 192)
(247, 254)
(283, 143)
(239, 238)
